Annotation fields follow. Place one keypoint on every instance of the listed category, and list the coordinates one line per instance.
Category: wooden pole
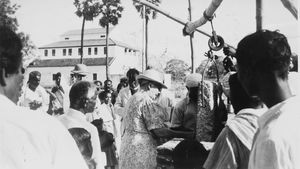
(259, 19)
(178, 20)
(191, 39)
(143, 39)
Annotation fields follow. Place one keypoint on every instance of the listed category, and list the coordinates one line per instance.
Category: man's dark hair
(10, 52)
(131, 73)
(103, 94)
(58, 74)
(78, 94)
(264, 51)
(33, 76)
(239, 97)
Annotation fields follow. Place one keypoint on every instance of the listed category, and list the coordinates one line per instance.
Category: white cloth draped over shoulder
(74, 118)
(244, 125)
(31, 139)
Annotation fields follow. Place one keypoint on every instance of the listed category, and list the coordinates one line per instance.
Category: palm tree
(111, 11)
(147, 14)
(88, 10)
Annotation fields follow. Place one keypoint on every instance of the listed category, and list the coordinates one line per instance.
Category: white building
(62, 56)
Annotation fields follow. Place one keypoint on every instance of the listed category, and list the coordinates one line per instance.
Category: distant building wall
(48, 72)
(88, 51)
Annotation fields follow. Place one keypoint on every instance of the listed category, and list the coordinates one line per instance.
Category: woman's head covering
(153, 76)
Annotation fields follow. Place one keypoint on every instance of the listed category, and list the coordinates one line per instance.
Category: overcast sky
(46, 20)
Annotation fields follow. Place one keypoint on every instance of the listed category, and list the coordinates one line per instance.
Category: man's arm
(177, 115)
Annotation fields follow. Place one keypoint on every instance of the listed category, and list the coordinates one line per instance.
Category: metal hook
(215, 42)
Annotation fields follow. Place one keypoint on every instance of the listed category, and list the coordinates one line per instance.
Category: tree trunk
(146, 43)
(143, 39)
(107, 45)
(82, 34)
(191, 39)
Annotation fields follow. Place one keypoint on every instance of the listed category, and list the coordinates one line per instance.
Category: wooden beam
(178, 20)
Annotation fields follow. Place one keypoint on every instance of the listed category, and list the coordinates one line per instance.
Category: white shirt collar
(273, 112)
(76, 114)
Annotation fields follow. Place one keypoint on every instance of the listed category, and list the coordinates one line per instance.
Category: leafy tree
(8, 19)
(7, 14)
(29, 49)
(177, 68)
(149, 13)
(88, 10)
(111, 11)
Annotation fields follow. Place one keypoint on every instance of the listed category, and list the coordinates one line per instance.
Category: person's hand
(188, 29)
(35, 105)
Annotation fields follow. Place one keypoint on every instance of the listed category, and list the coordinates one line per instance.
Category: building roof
(86, 43)
(70, 62)
(77, 43)
(87, 31)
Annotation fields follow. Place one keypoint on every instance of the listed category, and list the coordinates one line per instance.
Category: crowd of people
(92, 125)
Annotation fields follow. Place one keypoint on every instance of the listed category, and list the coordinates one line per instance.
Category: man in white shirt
(35, 96)
(29, 139)
(263, 60)
(83, 97)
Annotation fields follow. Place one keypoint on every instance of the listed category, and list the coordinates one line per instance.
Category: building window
(105, 50)
(53, 52)
(89, 51)
(70, 52)
(79, 51)
(64, 52)
(46, 52)
(94, 76)
(95, 51)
